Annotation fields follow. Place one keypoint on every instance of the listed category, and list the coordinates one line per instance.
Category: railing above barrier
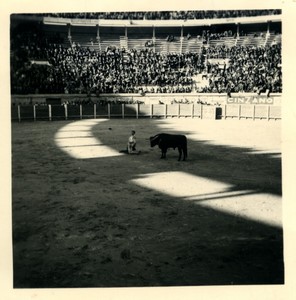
(72, 112)
(175, 98)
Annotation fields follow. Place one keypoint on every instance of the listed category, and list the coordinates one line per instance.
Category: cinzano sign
(250, 100)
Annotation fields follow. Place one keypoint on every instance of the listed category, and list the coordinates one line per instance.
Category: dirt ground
(86, 216)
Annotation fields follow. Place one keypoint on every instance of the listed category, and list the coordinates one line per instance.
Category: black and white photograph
(146, 150)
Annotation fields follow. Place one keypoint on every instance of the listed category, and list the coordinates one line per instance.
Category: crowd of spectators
(250, 69)
(207, 35)
(81, 70)
(167, 15)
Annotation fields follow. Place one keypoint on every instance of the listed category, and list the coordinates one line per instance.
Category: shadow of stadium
(112, 233)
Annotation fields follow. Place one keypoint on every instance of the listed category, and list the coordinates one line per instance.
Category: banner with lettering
(250, 100)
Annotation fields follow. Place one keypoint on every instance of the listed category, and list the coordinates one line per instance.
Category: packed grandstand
(51, 54)
(168, 15)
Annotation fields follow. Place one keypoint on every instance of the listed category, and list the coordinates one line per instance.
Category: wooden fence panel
(158, 110)
(14, 113)
(246, 111)
(58, 112)
(42, 112)
(185, 110)
(130, 110)
(144, 110)
(116, 110)
(88, 111)
(208, 112)
(172, 110)
(197, 110)
(101, 110)
(73, 111)
(275, 112)
(26, 112)
(231, 111)
(261, 111)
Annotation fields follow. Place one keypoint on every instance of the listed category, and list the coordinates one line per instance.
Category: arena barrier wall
(112, 110)
(206, 98)
(262, 112)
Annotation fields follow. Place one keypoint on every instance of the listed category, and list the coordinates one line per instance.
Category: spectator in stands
(170, 38)
(149, 43)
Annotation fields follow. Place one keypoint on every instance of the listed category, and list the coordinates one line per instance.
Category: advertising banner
(250, 100)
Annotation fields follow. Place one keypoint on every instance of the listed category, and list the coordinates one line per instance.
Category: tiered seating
(273, 38)
(86, 40)
(224, 41)
(173, 47)
(278, 39)
(163, 46)
(136, 43)
(109, 41)
(192, 45)
(251, 40)
(123, 42)
(158, 44)
(101, 44)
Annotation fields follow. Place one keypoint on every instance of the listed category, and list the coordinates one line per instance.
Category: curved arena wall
(203, 106)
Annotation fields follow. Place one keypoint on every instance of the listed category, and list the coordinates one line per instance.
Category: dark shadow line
(224, 196)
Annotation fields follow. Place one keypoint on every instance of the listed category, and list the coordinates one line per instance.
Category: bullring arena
(87, 215)
(91, 216)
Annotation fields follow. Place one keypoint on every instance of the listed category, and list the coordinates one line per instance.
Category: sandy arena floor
(85, 215)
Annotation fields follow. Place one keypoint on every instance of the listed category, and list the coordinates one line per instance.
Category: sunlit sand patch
(264, 208)
(72, 134)
(77, 140)
(258, 137)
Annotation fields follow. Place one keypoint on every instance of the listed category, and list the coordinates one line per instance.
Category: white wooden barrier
(33, 112)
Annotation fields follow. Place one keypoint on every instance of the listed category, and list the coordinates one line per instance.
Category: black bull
(165, 141)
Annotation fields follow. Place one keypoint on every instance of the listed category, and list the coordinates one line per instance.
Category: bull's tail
(185, 151)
